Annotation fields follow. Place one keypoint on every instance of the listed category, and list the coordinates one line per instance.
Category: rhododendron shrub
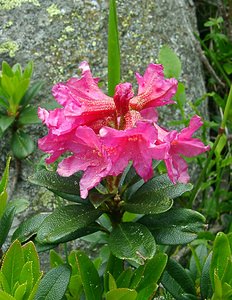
(103, 134)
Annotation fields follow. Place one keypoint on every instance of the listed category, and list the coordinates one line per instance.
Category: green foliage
(20, 272)
(170, 61)
(15, 108)
(7, 209)
(132, 241)
(113, 50)
(54, 284)
(176, 226)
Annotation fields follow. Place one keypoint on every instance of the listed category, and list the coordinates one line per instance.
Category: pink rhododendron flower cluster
(102, 133)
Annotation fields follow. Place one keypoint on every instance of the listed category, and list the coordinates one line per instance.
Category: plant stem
(221, 131)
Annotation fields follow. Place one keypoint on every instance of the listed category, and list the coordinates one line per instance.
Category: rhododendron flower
(103, 134)
(135, 144)
(180, 144)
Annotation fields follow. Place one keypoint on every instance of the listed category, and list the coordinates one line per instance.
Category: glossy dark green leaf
(31, 92)
(158, 187)
(177, 280)
(132, 241)
(121, 294)
(205, 283)
(68, 223)
(176, 226)
(28, 115)
(89, 276)
(70, 197)
(5, 223)
(170, 61)
(113, 50)
(12, 265)
(51, 180)
(22, 144)
(149, 205)
(29, 227)
(5, 122)
(54, 284)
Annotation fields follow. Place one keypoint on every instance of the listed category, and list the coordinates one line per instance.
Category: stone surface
(58, 35)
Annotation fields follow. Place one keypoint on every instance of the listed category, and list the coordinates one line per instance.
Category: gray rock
(57, 35)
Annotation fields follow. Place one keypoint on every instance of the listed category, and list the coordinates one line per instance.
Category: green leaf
(3, 187)
(28, 70)
(5, 122)
(221, 255)
(176, 280)
(114, 267)
(132, 241)
(30, 255)
(170, 61)
(3, 202)
(54, 284)
(51, 180)
(5, 296)
(123, 281)
(68, 223)
(160, 186)
(176, 226)
(28, 115)
(31, 92)
(151, 205)
(75, 287)
(205, 283)
(5, 176)
(121, 294)
(153, 270)
(147, 292)
(55, 259)
(5, 223)
(20, 205)
(29, 228)
(89, 277)
(26, 278)
(20, 291)
(22, 144)
(12, 265)
(6, 69)
(180, 96)
(113, 50)
(112, 283)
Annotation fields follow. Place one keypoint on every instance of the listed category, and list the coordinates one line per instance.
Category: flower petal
(154, 90)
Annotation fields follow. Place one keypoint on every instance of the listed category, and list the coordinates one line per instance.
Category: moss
(69, 29)
(53, 10)
(9, 47)
(11, 4)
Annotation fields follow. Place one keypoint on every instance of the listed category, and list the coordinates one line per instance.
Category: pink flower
(154, 90)
(88, 156)
(181, 144)
(82, 99)
(136, 144)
